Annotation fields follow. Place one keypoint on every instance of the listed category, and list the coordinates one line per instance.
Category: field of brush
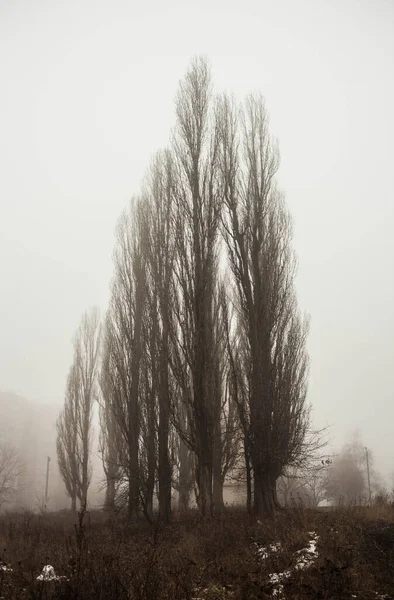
(298, 554)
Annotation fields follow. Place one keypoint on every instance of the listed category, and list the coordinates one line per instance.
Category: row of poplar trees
(200, 365)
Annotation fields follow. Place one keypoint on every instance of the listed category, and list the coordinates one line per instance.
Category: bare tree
(186, 481)
(87, 346)
(239, 376)
(315, 482)
(346, 478)
(149, 426)
(345, 482)
(125, 343)
(197, 215)
(158, 195)
(74, 425)
(110, 441)
(67, 439)
(178, 355)
(288, 486)
(257, 231)
(303, 486)
(11, 467)
(227, 432)
(182, 459)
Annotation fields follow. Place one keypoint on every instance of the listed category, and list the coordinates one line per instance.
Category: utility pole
(47, 481)
(369, 480)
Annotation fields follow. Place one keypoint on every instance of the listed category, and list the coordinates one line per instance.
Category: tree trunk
(265, 497)
(218, 502)
(85, 470)
(133, 500)
(248, 490)
(109, 503)
(184, 477)
(111, 468)
(149, 506)
(164, 470)
(164, 425)
(248, 481)
(134, 406)
(184, 499)
(150, 483)
(204, 483)
(133, 444)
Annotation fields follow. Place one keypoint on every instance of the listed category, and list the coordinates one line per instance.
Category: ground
(298, 554)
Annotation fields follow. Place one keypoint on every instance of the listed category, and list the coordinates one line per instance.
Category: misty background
(87, 98)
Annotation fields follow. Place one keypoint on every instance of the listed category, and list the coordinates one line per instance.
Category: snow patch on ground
(304, 559)
(265, 551)
(48, 574)
(307, 556)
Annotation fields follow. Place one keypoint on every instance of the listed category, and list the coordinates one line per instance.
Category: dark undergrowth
(104, 558)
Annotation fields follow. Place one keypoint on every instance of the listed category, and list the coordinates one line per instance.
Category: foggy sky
(87, 97)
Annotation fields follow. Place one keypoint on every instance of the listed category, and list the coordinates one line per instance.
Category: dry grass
(105, 559)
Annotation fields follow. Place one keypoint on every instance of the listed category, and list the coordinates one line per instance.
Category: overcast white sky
(87, 96)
